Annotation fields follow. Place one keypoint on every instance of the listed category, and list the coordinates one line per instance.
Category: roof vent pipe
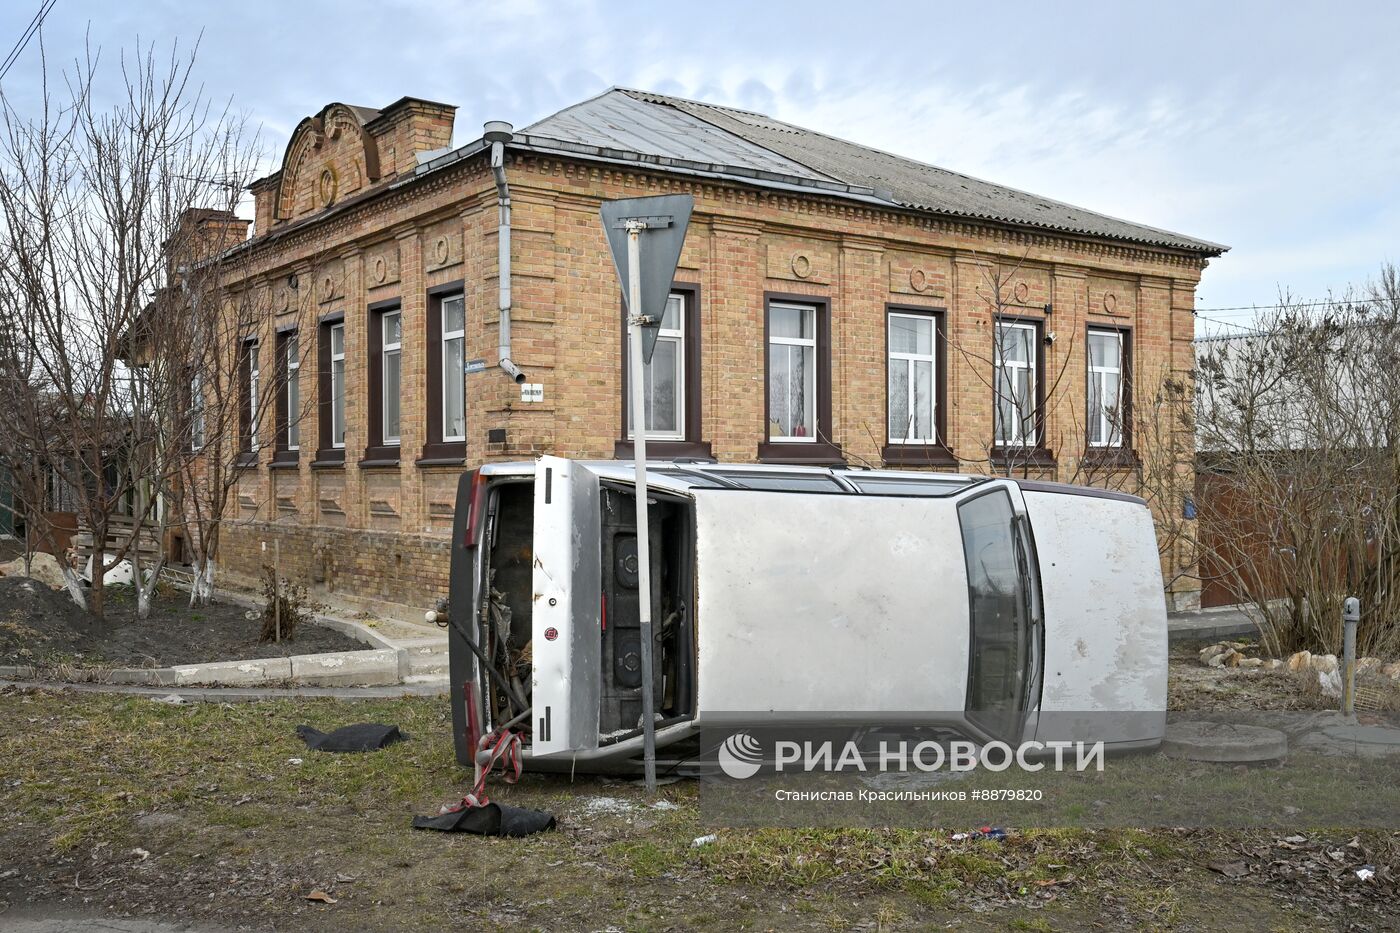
(498, 133)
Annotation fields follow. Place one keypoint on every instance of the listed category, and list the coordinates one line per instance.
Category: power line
(1250, 330)
(1284, 304)
(23, 41)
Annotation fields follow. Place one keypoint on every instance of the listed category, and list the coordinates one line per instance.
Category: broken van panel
(991, 607)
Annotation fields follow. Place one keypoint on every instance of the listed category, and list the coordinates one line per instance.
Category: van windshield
(999, 604)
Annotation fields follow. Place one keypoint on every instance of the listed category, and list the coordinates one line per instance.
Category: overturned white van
(999, 609)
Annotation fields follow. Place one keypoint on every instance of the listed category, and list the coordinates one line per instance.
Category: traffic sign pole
(664, 219)
(637, 376)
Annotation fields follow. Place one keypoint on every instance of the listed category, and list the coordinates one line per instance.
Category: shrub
(286, 606)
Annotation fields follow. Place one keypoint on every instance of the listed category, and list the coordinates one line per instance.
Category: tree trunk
(144, 590)
(74, 583)
(97, 588)
(202, 586)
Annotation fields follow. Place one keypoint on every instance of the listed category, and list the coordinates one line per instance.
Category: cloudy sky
(1269, 128)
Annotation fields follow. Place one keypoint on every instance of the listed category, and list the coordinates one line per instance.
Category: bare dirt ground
(1194, 686)
(43, 627)
(201, 814)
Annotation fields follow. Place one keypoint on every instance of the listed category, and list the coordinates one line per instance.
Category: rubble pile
(1232, 654)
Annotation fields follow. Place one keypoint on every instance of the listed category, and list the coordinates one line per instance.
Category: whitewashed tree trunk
(202, 586)
(74, 583)
(144, 590)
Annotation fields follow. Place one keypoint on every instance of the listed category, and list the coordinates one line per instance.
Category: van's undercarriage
(504, 622)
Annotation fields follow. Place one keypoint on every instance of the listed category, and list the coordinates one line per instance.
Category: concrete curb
(1209, 624)
(233, 694)
(421, 657)
(375, 667)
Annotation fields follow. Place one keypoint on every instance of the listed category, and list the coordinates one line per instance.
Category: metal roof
(616, 120)
(739, 142)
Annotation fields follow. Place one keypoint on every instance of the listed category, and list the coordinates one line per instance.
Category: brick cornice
(657, 182)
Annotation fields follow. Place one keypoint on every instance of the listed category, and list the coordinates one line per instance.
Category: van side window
(996, 604)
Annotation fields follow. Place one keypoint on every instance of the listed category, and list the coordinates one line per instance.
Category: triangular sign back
(667, 217)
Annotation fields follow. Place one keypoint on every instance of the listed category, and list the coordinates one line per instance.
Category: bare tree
(238, 369)
(1299, 438)
(1145, 447)
(90, 195)
(1024, 396)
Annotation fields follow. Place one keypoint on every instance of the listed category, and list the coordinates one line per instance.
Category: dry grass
(237, 833)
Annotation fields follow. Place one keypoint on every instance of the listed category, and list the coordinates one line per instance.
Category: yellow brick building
(833, 304)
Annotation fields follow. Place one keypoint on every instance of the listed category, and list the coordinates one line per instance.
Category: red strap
(504, 747)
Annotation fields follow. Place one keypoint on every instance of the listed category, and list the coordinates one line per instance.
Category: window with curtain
(253, 378)
(291, 347)
(391, 349)
(196, 411)
(913, 375)
(1014, 378)
(1105, 389)
(792, 372)
(337, 357)
(454, 401)
(663, 384)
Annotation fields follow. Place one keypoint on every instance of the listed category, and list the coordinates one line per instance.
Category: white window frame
(1108, 429)
(254, 377)
(1024, 435)
(197, 438)
(387, 349)
(911, 358)
(337, 384)
(675, 335)
(292, 390)
(815, 369)
(447, 373)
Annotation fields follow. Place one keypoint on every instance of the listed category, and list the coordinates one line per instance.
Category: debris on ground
(321, 897)
(1208, 677)
(995, 833)
(596, 805)
(43, 567)
(1229, 869)
(489, 819)
(701, 841)
(360, 737)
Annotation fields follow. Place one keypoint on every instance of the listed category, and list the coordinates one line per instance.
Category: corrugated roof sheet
(657, 125)
(616, 120)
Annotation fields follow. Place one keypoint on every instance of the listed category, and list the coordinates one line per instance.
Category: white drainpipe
(498, 133)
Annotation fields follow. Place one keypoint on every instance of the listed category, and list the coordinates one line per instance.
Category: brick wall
(384, 527)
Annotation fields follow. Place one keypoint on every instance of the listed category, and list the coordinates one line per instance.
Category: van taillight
(477, 510)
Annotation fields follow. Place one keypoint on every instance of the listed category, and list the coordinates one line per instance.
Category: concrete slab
(347, 668)
(1224, 742)
(1353, 739)
(1210, 624)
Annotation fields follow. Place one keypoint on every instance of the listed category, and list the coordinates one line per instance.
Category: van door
(566, 646)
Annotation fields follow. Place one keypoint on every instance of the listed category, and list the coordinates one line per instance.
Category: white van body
(997, 608)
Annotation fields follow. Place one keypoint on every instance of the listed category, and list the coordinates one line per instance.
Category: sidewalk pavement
(1209, 624)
